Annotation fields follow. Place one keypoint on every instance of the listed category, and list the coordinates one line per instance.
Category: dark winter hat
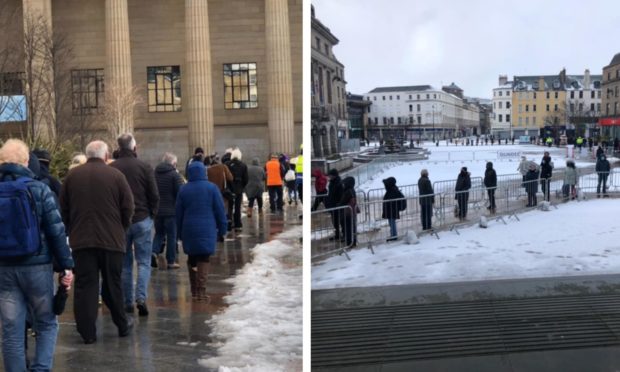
(43, 155)
(489, 164)
(464, 169)
(199, 150)
(532, 166)
(333, 172)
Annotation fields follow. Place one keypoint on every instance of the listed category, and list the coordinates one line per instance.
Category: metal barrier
(330, 229)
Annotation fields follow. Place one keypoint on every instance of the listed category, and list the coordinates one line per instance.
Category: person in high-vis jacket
(274, 171)
(299, 173)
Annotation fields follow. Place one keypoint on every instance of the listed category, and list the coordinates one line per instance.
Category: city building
(610, 87)
(501, 124)
(211, 74)
(358, 108)
(583, 104)
(328, 97)
(421, 112)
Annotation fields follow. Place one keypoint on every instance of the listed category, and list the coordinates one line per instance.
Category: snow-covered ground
(445, 162)
(578, 238)
(261, 330)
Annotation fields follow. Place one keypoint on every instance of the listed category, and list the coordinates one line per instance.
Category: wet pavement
(174, 335)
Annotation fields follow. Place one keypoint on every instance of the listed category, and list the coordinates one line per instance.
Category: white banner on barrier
(508, 154)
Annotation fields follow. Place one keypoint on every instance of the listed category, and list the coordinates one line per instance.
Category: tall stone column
(198, 100)
(279, 76)
(37, 16)
(120, 95)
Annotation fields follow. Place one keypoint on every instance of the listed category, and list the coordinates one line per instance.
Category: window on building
(520, 108)
(591, 106)
(418, 97)
(499, 104)
(383, 97)
(520, 121)
(617, 74)
(12, 83)
(399, 120)
(326, 48)
(527, 108)
(499, 118)
(508, 93)
(555, 107)
(507, 104)
(507, 118)
(390, 98)
(392, 120)
(527, 120)
(329, 86)
(500, 93)
(410, 108)
(419, 119)
(534, 108)
(240, 86)
(384, 120)
(534, 120)
(598, 94)
(615, 108)
(369, 109)
(410, 96)
(164, 88)
(374, 98)
(616, 91)
(318, 43)
(398, 98)
(607, 109)
(592, 94)
(572, 94)
(547, 108)
(581, 94)
(494, 106)
(418, 107)
(609, 76)
(376, 121)
(87, 91)
(411, 120)
(434, 96)
(428, 96)
(547, 95)
(556, 95)
(581, 107)
(572, 107)
(598, 107)
(534, 95)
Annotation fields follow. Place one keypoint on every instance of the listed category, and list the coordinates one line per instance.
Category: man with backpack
(240, 179)
(26, 255)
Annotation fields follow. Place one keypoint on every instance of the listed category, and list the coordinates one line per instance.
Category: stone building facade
(610, 110)
(328, 97)
(214, 74)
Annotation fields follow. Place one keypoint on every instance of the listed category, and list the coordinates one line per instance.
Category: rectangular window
(598, 107)
(329, 86)
(534, 120)
(556, 95)
(555, 107)
(508, 94)
(428, 96)
(581, 107)
(500, 104)
(374, 98)
(527, 120)
(419, 119)
(418, 107)
(534, 108)
(398, 98)
(418, 96)
(392, 120)
(607, 109)
(434, 96)
(572, 94)
(527, 108)
(598, 94)
(547, 95)
(572, 107)
(399, 120)
(376, 121)
(508, 104)
(240, 86)
(592, 94)
(534, 95)
(383, 97)
(410, 108)
(500, 93)
(591, 106)
(12, 83)
(318, 43)
(410, 96)
(411, 120)
(87, 91)
(520, 108)
(520, 121)
(507, 118)
(390, 98)
(581, 94)
(384, 120)
(547, 108)
(499, 118)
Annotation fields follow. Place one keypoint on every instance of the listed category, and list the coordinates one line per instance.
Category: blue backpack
(19, 224)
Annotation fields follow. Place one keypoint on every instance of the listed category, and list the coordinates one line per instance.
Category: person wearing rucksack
(240, 179)
(33, 235)
(291, 184)
(393, 203)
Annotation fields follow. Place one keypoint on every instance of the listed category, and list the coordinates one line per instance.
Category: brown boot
(249, 212)
(192, 279)
(201, 281)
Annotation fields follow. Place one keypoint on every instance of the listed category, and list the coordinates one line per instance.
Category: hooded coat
(320, 181)
(570, 176)
(602, 165)
(426, 188)
(256, 180)
(200, 213)
(334, 192)
(239, 172)
(546, 168)
(348, 194)
(490, 177)
(530, 181)
(392, 207)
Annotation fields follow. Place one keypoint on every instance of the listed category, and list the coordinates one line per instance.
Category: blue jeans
(23, 288)
(166, 226)
(392, 222)
(139, 236)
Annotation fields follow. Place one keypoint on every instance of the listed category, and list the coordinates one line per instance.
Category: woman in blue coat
(201, 218)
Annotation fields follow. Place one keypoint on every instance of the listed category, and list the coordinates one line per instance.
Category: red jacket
(320, 181)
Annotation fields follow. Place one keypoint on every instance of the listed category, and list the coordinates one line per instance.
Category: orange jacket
(274, 173)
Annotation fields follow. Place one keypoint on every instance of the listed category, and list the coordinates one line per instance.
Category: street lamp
(433, 123)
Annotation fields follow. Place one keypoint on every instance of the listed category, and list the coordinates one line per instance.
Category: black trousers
(349, 229)
(259, 201)
(491, 193)
(237, 212)
(300, 192)
(318, 200)
(88, 263)
(602, 179)
(462, 199)
(544, 182)
(338, 222)
(531, 199)
(275, 198)
(426, 211)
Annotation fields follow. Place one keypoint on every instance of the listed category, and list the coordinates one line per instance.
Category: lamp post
(433, 123)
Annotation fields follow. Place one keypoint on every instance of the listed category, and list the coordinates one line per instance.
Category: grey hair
(97, 149)
(424, 172)
(169, 158)
(126, 141)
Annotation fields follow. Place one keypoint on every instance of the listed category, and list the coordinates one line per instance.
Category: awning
(609, 121)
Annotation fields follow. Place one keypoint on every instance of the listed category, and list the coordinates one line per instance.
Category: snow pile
(578, 238)
(261, 330)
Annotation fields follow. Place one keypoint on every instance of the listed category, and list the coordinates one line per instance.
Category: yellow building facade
(537, 102)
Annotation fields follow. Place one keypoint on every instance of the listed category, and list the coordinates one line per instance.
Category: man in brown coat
(220, 175)
(97, 206)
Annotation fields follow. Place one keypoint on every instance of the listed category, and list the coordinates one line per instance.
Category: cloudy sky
(469, 42)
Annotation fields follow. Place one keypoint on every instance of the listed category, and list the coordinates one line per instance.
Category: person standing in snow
(334, 194)
(523, 166)
(602, 170)
(570, 181)
(463, 184)
(427, 199)
(530, 182)
(546, 171)
(349, 218)
(490, 182)
(393, 203)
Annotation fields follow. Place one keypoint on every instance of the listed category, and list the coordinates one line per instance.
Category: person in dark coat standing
(531, 185)
(256, 186)
(490, 182)
(240, 179)
(349, 217)
(393, 203)
(427, 199)
(27, 282)
(334, 194)
(602, 170)
(463, 184)
(141, 180)
(97, 206)
(168, 184)
(201, 219)
(546, 171)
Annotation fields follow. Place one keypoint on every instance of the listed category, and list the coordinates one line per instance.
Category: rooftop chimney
(503, 79)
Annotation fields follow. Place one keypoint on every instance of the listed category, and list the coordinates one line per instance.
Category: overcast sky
(468, 42)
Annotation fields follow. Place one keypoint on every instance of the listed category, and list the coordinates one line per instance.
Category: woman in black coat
(463, 184)
(490, 182)
(531, 185)
(349, 218)
(393, 202)
(426, 202)
(334, 194)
